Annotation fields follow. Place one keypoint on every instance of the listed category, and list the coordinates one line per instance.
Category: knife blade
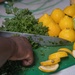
(40, 39)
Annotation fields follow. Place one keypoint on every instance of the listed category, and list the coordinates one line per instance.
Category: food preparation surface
(41, 54)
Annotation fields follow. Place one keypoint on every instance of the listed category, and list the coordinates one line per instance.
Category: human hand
(23, 51)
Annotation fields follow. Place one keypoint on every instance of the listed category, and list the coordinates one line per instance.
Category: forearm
(7, 48)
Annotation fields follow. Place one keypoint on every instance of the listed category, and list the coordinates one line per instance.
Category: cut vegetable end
(51, 68)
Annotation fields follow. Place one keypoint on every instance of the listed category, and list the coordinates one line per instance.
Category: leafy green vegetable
(11, 68)
(25, 22)
(34, 45)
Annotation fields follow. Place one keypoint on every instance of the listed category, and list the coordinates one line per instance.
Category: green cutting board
(41, 54)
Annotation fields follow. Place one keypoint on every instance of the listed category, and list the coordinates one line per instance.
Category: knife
(40, 39)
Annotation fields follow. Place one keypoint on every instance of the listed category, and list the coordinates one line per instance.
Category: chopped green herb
(40, 39)
(10, 68)
(60, 42)
(52, 42)
(16, 35)
(25, 22)
(42, 53)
